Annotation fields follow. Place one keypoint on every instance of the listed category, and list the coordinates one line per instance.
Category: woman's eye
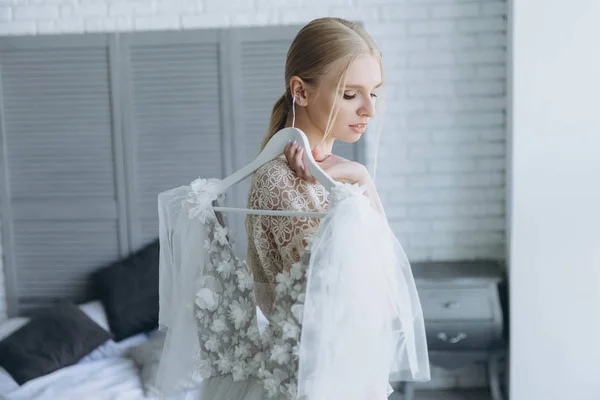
(349, 97)
(373, 95)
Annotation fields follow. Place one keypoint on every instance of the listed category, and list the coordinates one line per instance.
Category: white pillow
(7, 383)
(95, 311)
(147, 357)
(110, 348)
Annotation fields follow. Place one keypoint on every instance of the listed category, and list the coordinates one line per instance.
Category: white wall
(555, 201)
(442, 159)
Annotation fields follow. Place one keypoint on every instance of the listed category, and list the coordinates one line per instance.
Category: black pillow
(128, 290)
(59, 337)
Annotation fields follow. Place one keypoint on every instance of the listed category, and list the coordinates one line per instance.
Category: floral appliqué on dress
(225, 310)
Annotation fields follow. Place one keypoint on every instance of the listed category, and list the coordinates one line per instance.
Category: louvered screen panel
(262, 67)
(60, 202)
(174, 119)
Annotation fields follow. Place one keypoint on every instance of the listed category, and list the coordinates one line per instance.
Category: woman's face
(356, 101)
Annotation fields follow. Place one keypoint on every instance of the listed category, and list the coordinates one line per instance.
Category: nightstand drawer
(456, 304)
(453, 336)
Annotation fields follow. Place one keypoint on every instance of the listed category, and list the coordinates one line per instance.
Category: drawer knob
(445, 338)
(452, 304)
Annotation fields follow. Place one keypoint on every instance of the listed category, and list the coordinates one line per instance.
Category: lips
(359, 128)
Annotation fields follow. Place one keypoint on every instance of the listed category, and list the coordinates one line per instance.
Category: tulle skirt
(224, 388)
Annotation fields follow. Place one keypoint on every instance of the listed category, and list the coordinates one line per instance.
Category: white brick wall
(441, 166)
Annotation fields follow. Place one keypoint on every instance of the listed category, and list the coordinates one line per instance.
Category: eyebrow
(362, 87)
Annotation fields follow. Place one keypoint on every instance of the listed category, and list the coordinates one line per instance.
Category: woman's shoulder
(278, 168)
(276, 186)
(273, 178)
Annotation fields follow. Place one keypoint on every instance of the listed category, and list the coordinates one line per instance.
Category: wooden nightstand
(464, 317)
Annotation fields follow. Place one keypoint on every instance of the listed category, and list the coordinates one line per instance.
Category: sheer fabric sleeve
(277, 242)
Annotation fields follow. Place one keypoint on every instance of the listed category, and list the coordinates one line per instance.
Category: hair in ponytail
(279, 117)
(317, 46)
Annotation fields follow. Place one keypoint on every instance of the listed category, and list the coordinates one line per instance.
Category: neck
(313, 134)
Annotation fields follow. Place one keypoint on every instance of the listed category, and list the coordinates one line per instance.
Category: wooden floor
(446, 395)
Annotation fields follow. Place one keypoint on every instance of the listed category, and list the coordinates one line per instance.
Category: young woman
(342, 318)
(332, 74)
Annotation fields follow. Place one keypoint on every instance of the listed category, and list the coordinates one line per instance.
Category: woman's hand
(338, 168)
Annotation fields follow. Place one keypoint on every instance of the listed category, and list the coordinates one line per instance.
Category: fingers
(298, 158)
(309, 176)
(289, 152)
(304, 172)
(295, 154)
(299, 162)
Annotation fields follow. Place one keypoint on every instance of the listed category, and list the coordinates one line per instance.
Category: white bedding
(114, 378)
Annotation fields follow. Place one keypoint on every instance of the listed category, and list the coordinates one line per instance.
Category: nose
(367, 109)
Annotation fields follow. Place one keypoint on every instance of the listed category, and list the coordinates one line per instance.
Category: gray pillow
(128, 290)
(56, 338)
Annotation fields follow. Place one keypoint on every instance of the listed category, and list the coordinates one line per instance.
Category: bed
(111, 378)
(105, 348)
(113, 371)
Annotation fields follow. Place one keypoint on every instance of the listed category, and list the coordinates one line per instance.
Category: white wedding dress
(344, 319)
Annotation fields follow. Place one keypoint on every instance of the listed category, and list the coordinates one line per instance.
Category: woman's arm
(371, 193)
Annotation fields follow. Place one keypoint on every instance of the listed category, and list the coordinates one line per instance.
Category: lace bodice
(275, 243)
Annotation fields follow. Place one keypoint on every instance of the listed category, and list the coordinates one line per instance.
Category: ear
(298, 88)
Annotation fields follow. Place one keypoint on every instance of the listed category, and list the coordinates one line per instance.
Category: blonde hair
(312, 54)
